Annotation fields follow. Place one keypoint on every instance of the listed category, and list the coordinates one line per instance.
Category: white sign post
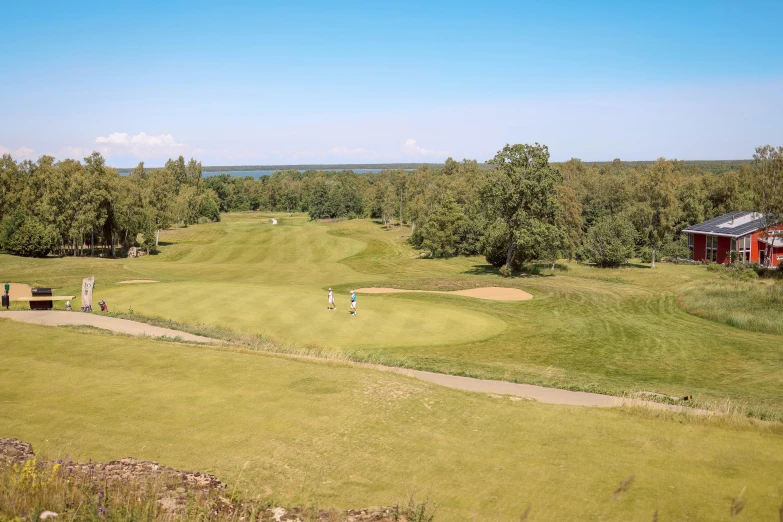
(88, 284)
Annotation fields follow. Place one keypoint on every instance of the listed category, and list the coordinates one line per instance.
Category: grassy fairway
(331, 435)
(606, 330)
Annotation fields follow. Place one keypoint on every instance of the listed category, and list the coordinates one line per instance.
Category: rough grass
(334, 436)
(614, 331)
(750, 305)
(29, 490)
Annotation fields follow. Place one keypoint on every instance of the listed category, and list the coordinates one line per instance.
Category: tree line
(516, 208)
(74, 207)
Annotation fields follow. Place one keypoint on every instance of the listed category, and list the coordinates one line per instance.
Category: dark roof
(733, 224)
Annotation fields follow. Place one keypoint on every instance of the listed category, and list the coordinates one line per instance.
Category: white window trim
(745, 251)
(708, 248)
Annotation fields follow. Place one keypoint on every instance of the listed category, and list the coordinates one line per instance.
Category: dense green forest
(516, 208)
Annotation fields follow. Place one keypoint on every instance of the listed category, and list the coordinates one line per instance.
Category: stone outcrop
(14, 451)
(177, 487)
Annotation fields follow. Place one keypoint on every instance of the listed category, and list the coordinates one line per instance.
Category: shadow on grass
(636, 265)
(535, 270)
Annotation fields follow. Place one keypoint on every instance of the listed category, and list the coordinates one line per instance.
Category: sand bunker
(17, 290)
(493, 293)
(135, 281)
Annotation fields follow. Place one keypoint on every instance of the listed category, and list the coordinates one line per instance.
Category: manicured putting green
(301, 316)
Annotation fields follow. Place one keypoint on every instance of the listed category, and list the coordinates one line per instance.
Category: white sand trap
(493, 293)
(17, 290)
(274, 221)
(136, 281)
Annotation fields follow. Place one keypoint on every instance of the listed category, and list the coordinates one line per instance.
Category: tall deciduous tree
(767, 184)
(657, 207)
(521, 194)
(194, 174)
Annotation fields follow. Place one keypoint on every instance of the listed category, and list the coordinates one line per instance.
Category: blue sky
(235, 83)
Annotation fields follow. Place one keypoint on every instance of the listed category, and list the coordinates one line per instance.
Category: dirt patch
(493, 293)
(136, 281)
(18, 290)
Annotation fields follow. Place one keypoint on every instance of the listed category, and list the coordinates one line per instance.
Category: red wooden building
(743, 232)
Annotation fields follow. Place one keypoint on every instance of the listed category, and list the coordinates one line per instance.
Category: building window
(743, 247)
(712, 249)
(690, 245)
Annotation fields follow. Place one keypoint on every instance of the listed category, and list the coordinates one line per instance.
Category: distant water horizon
(259, 173)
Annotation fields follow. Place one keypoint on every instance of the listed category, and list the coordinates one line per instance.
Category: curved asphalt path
(527, 391)
(114, 324)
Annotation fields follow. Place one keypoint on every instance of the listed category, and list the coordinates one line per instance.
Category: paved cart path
(124, 326)
(528, 391)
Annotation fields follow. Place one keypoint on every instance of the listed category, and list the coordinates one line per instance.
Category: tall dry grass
(749, 305)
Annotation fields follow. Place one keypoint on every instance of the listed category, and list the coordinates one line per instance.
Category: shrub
(8, 226)
(676, 250)
(203, 220)
(748, 275)
(26, 236)
(209, 209)
(645, 254)
(671, 252)
(495, 244)
(610, 242)
(472, 235)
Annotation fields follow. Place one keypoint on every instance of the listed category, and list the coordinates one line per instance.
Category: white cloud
(22, 153)
(353, 152)
(115, 138)
(74, 152)
(142, 145)
(411, 148)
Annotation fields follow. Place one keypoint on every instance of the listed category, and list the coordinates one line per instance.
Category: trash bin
(6, 301)
(41, 304)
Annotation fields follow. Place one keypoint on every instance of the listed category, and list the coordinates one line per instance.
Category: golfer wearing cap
(353, 302)
(331, 305)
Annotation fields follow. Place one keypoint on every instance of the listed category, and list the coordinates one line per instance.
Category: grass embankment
(329, 435)
(613, 331)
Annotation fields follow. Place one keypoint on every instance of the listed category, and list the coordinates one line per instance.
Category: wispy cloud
(22, 153)
(412, 148)
(142, 145)
(73, 152)
(353, 152)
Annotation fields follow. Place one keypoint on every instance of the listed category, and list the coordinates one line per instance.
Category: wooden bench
(42, 299)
